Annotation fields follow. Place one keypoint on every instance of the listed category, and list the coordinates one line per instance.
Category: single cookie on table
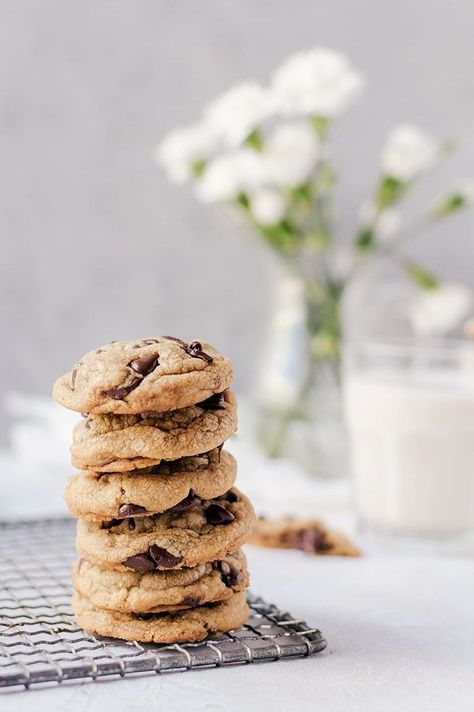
(96, 496)
(158, 374)
(308, 535)
(155, 591)
(204, 532)
(113, 443)
(191, 625)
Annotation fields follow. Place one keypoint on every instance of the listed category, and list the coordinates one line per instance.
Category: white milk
(412, 442)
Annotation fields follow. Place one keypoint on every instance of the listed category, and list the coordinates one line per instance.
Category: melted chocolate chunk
(190, 501)
(194, 349)
(230, 575)
(162, 557)
(128, 510)
(215, 514)
(311, 540)
(214, 402)
(139, 562)
(120, 392)
(147, 364)
(111, 523)
(230, 496)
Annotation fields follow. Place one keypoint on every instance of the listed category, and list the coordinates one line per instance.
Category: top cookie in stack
(160, 523)
(152, 375)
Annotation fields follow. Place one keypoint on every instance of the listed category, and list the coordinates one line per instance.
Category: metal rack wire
(40, 641)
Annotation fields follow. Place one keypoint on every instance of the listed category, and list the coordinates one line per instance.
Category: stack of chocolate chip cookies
(160, 521)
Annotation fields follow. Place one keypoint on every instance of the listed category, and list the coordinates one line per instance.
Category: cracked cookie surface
(171, 540)
(156, 374)
(191, 625)
(156, 591)
(112, 443)
(96, 496)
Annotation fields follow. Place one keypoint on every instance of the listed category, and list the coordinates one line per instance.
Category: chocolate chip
(215, 514)
(139, 562)
(192, 500)
(229, 496)
(230, 575)
(147, 364)
(214, 402)
(148, 342)
(128, 510)
(120, 392)
(311, 540)
(131, 524)
(194, 349)
(162, 557)
(111, 523)
(192, 601)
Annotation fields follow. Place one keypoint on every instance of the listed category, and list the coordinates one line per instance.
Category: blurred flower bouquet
(264, 151)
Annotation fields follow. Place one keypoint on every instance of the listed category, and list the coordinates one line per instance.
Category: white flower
(232, 116)
(226, 176)
(183, 149)
(408, 152)
(267, 206)
(437, 311)
(290, 154)
(320, 83)
(385, 223)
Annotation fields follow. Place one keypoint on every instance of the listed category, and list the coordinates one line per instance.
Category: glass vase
(299, 394)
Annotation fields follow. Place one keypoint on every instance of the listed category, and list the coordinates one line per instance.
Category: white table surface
(400, 635)
(400, 628)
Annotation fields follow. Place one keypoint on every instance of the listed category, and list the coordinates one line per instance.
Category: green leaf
(450, 204)
(283, 236)
(320, 124)
(365, 239)
(198, 168)
(421, 277)
(302, 194)
(389, 191)
(254, 140)
(243, 201)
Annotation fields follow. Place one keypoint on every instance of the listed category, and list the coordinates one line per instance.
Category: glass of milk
(410, 413)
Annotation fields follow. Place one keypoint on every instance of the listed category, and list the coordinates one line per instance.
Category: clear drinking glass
(410, 413)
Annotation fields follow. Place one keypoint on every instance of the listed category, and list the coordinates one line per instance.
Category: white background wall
(96, 245)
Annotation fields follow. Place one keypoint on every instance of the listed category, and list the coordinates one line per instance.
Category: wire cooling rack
(40, 641)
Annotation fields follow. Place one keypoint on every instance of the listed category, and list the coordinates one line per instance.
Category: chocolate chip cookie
(177, 484)
(172, 540)
(156, 591)
(157, 374)
(190, 625)
(308, 535)
(113, 443)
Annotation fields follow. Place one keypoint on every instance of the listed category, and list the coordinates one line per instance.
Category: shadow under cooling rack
(40, 641)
